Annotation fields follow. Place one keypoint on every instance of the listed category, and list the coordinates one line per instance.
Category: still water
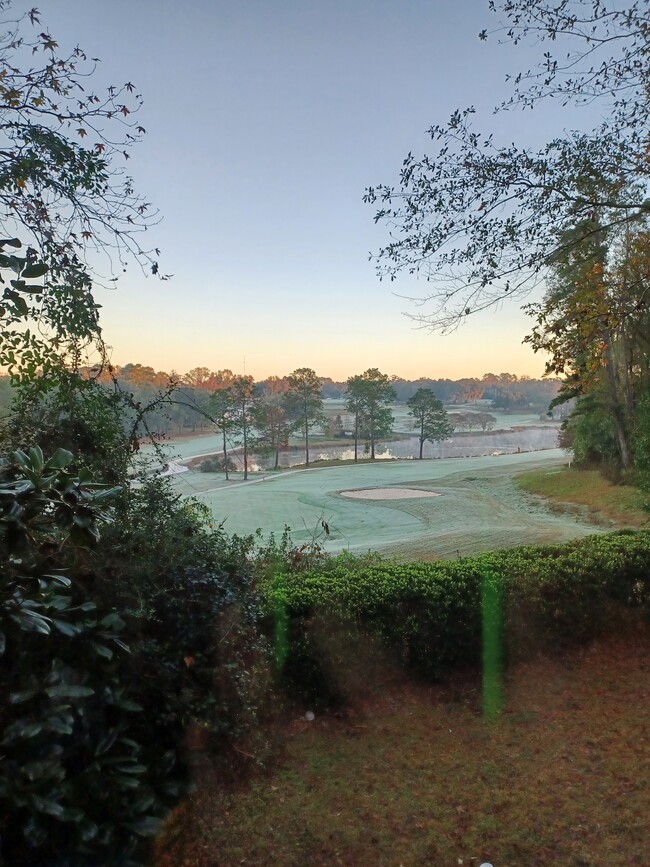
(525, 439)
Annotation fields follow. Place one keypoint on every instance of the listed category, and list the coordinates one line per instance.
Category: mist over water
(515, 432)
(525, 439)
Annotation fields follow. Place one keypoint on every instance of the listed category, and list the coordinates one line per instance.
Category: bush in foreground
(430, 614)
(188, 594)
(72, 782)
(110, 650)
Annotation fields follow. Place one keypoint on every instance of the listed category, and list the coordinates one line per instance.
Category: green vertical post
(492, 646)
(281, 622)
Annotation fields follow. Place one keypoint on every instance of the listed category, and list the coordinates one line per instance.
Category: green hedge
(429, 614)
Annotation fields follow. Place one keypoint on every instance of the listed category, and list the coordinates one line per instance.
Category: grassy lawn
(621, 505)
(414, 775)
(479, 507)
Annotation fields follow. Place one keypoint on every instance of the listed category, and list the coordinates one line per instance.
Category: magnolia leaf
(112, 620)
(60, 459)
(20, 729)
(127, 704)
(22, 695)
(59, 725)
(106, 494)
(106, 742)
(60, 579)
(36, 457)
(32, 621)
(122, 781)
(69, 690)
(35, 270)
(89, 830)
(65, 628)
(72, 814)
(102, 650)
(43, 805)
(148, 826)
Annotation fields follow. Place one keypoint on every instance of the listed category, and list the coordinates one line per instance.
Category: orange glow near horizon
(489, 345)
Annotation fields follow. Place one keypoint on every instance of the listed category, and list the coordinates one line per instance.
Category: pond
(520, 433)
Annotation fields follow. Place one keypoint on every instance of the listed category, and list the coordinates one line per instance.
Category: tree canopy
(303, 400)
(430, 417)
(65, 196)
(368, 396)
(478, 219)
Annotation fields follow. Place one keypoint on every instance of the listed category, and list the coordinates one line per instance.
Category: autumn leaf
(48, 42)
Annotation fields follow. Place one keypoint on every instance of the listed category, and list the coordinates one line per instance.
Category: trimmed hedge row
(429, 614)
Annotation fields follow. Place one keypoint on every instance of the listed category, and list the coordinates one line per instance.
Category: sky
(266, 120)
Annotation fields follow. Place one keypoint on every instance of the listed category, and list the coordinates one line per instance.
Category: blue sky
(266, 120)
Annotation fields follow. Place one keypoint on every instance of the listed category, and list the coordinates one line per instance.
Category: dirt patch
(388, 494)
(416, 775)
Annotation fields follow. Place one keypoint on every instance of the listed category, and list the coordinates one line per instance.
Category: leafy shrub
(72, 781)
(591, 435)
(188, 594)
(216, 465)
(429, 614)
(80, 415)
(96, 704)
(642, 448)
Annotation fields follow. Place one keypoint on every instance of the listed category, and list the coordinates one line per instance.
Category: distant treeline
(183, 410)
(505, 390)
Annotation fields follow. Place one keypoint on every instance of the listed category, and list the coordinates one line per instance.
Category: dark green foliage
(81, 415)
(429, 614)
(72, 780)
(430, 418)
(642, 445)
(188, 594)
(303, 401)
(96, 705)
(367, 398)
(590, 434)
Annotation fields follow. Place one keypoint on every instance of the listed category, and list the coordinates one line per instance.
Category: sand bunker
(388, 494)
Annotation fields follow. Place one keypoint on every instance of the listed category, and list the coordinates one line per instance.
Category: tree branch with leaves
(478, 221)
